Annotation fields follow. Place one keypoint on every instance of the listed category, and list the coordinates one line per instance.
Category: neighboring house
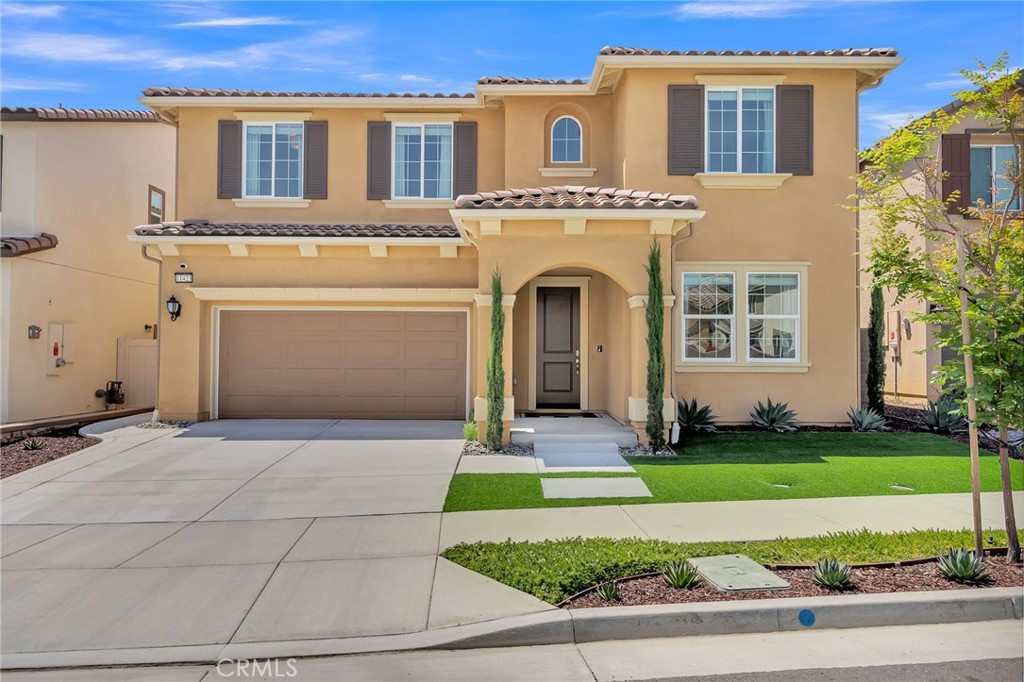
(338, 248)
(974, 155)
(78, 303)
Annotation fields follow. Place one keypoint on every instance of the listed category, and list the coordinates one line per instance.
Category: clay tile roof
(11, 246)
(575, 197)
(205, 228)
(205, 92)
(511, 80)
(845, 52)
(61, 114)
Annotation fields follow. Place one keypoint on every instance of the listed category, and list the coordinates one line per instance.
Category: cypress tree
(655, 350)
(876, 352)
(495, 368)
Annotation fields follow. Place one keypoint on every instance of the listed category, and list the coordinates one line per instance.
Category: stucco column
(483, 352)
(637, 403)
(180, 366)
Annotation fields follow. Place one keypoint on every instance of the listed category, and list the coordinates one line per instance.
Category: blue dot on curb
(806, 618)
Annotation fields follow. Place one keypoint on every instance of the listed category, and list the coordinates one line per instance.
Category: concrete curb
(98, 429)
(592, 625)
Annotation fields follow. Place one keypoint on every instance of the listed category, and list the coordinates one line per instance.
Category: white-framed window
(990, 167)
(740, 130)
(422, 161)
(709, 316)
(566, 140)
(773, 316)
(272, 163)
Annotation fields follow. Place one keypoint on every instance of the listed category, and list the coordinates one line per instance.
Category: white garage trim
(215, 312)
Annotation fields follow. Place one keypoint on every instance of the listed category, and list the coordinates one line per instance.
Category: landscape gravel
(14, 458)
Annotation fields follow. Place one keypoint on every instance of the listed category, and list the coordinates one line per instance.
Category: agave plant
(963, 566)
(941, 416)
(608, 591)
(696, 419)
(832, 574)
(681, 575)
(33, 444)
(773, 417)
(866, 419)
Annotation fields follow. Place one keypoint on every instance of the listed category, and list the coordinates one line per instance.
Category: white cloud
(12, 84)
(236, 22)
(18, 9)
(887, 121)
(412, 78)
(957, 83)
(707, 9)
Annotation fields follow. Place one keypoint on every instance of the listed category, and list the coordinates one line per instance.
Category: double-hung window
(740, 130)
(773, 316)
(709, 315)
(422, 161)
(273, 160)
(991, 167)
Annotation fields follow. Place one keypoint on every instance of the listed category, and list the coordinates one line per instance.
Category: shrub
(942, 418)
(832, 574)
(773, 417)
(495, 375)
(866, 419)
(469, 431)
(962, 566)
(33, 444)
(876, 352)
(681, 575)
(608, 591)
(694, 419)
(655, 350)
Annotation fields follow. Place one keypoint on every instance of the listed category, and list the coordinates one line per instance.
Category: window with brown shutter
(315, 171)
(464, 153)
(229, 159)
(685, 129)
(956, 169)
(795, 129)
(378, 160)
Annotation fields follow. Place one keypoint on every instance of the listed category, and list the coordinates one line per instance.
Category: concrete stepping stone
(556, 457)
(496, 464)
(576, 488)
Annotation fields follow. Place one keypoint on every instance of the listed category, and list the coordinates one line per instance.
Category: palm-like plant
(773, 417)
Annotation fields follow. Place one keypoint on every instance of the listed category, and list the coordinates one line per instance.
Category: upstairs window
(422, 161)
(157, 199)
(273, 160)
(740, 130)
(990, 166)
(566, 141)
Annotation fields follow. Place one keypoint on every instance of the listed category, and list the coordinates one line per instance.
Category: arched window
(566, 141)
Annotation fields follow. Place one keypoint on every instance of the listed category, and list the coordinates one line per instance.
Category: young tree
(876, 352)
(969, 272)
(495, 368)
(655, 350)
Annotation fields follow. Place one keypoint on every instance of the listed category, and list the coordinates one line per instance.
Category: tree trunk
(1013, 556)
(972, 406)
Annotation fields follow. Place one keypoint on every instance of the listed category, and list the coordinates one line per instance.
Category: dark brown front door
(558, 347)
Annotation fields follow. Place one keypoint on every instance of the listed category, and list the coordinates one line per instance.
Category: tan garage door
(343, 364)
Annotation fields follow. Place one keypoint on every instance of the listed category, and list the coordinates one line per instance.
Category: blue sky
(102, 54)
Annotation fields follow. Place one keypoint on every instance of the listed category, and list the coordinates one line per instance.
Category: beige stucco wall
(88, 183)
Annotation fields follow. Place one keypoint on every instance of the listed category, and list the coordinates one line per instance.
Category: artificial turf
(749, 466)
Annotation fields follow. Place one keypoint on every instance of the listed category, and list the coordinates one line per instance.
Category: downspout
(159, 341)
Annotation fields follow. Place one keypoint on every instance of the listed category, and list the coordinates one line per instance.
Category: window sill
(574, 172)
(742, 180)
(418, 203)
(794, 368)
(271, 203)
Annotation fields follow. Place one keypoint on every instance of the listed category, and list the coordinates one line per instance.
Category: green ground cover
(556, 569)
(750, 466)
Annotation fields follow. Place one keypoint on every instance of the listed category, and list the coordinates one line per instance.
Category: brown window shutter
(464, 154)
(685, 129)
(229, 159)
(378, 160)
(956, 167)
(314, 136)
(794, 137)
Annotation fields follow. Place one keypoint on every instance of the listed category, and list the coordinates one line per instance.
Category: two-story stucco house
(336, 249)
(974, 154)
(78, 306)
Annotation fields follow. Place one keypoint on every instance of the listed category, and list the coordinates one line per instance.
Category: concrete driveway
(166, 544)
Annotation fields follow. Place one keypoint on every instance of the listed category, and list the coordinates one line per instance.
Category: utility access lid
(737, 573)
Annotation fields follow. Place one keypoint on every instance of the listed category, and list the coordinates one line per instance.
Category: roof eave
(169, 105)
(291, 241)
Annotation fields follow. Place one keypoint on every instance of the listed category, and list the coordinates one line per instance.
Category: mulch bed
(916, 578)
(14, 458)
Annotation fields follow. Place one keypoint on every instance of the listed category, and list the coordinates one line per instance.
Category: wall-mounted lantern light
(174, 308)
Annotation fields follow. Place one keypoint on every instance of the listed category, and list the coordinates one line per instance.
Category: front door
(558, 347)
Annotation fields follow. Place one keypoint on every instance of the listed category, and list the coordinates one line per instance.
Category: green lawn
(747, 466)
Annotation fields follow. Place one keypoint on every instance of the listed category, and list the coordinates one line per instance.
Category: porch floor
(529, 430)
